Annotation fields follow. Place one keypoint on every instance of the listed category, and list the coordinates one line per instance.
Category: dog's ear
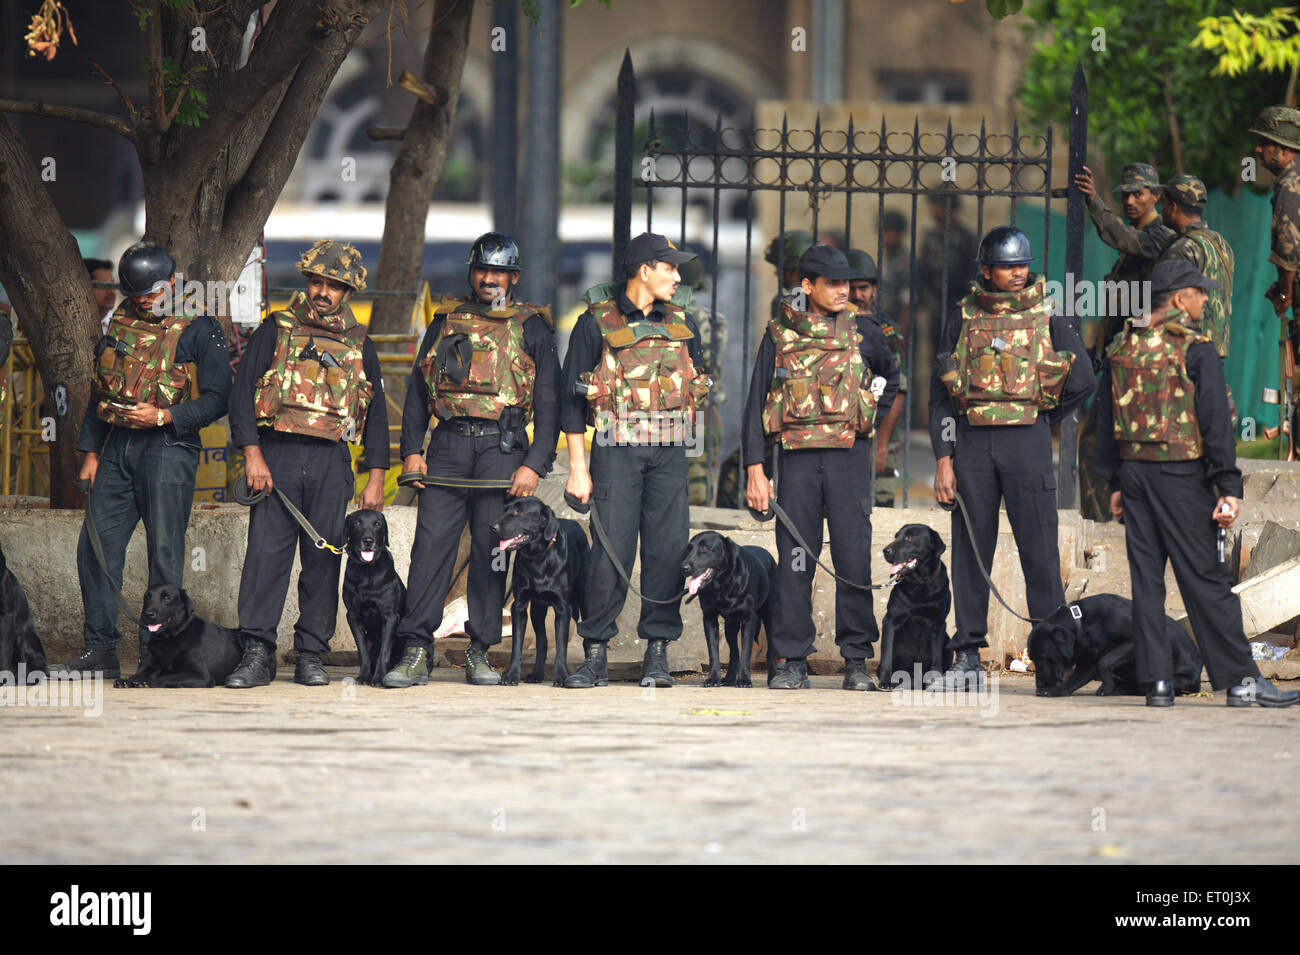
(937, 543)
(552, 525)
(383, 532)
(1064, 639)
(187, 603)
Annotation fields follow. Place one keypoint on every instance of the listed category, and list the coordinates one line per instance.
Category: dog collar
(552, 540)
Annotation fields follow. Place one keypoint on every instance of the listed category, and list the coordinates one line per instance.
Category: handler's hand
(945, 481)
(523, 483)
(415, 462)
(882, 452)
(1225, 520)
(579, 484)
(758, 489)
(256, 473)
(145, 416)
(372, 495)
(1116, 507)
(1086, 186)
(89, 468)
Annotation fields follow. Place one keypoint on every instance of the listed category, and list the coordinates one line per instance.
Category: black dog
(915, 628)
(735, 583)
(1102, 647)
(19, 643)
(373, 595)
(550, 571)
(184, 649)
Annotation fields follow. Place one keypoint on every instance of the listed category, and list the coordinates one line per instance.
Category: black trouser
(1168, 508)
(443, 512)
(143, 474)
(997, 463)
(638, 488)
(835, 484)
(316, 475)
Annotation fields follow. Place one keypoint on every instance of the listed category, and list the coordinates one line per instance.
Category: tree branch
(126, 100)
(113, 124)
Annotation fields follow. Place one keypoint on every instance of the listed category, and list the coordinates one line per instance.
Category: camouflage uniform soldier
(1008, 368)
(1183, 200)
(1278, 129)
(821, 377)
(1165, 445)
(634, 371)
(786, 262)
(1141, 237)
(162, 373)
(888, 440)
(713, 333)
(894, 273)
(482, 405)
(308, 384)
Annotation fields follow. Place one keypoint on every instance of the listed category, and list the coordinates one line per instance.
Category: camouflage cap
(797, 242)
(1186, 190)
(1280, 124)
(334, 260)
(1138, 175)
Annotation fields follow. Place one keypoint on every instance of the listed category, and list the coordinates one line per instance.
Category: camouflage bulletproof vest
(138, 365)
(820, 396)
(1154, 397)
(645, 385)
(501, 373)
(1219, 264)
(316, 384)
(1004, 370)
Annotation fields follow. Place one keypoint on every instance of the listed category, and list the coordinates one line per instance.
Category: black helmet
(494, 250)
(144, 268)
(1005, 245)
(864, 264)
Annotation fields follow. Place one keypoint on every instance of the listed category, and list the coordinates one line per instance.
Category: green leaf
(1003, 8)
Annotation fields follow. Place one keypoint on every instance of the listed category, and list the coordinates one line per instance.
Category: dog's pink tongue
(894, 569)
(154, 627)
(367, 555)
(693, 585)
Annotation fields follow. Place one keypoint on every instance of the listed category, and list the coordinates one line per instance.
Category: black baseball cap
(828, 262)
(652, 247)
(1173, 274)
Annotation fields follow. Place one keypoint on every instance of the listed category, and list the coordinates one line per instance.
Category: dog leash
(407, 478)
(593, 517)
(83, 485)
(776, 510)
(1076, 613)
(248, 497)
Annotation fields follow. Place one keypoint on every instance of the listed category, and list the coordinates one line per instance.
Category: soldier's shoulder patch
(448, 304)
(527, 309)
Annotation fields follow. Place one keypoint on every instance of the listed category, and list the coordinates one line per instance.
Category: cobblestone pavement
(453, 773)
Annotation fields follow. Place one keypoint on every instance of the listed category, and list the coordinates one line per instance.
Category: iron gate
(869, 164)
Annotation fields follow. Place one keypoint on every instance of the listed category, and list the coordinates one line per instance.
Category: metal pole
(623, 127)
(505, 115)
(1067, 484)
(540, 214)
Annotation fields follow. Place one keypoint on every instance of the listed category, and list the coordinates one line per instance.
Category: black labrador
(184, 649)
(1101, 645)
(373, 595)
(19, 644)
(735, 583)
(915, 627)
(550, 571)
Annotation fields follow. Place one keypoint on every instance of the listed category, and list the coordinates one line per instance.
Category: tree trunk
(41, 270)
(418, 165)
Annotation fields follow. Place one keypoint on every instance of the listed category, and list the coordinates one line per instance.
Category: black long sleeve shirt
(203, 343)
(875, 352)
(584, 353)
(1205, 369)
(1078, 386)
(257, 359)
(539, 342)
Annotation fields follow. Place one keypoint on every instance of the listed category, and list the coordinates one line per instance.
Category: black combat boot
(594, 670)
(1160, 693)
(308, 670)
(856, 676)
(1261, 692)
(478, 672)
(791, 674)
(964, 674)
(256, 667)
(103, 660)
(654, 666)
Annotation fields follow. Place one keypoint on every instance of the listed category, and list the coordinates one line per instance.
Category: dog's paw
(121, 683)
(713, 679)
(510, 676)
(743, 680)
(1105, 690)
(559, 679)
(536, 676)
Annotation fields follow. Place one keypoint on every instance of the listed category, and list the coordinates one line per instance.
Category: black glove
(455, 353)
